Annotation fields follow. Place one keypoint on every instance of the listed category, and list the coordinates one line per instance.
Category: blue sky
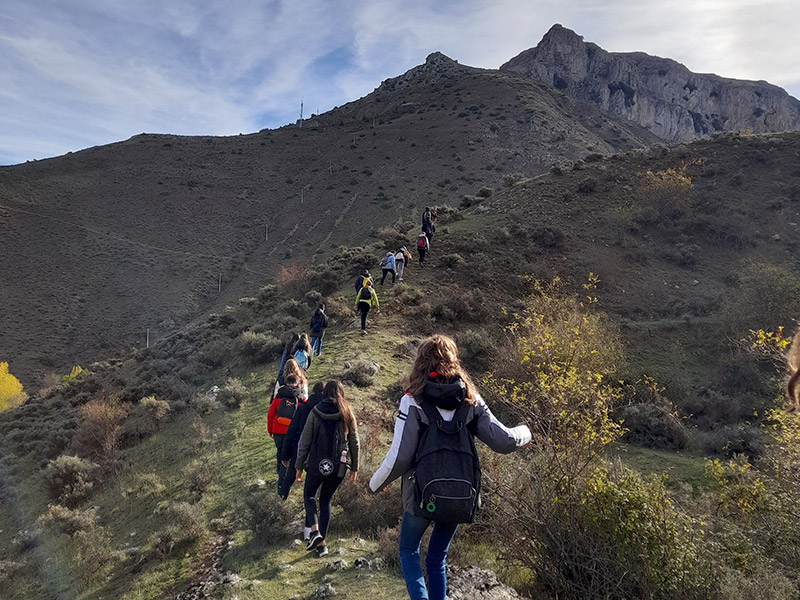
(78, 73)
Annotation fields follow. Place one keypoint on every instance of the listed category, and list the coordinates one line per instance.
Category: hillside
(669, 231)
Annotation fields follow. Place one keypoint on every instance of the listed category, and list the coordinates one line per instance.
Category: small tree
(11, 392)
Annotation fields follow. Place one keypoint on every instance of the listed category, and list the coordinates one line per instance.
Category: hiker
(288, 349)
(292, 368)
(362, 279)
(302, 352)
(279, 416)
(434, 214)
(365, 299)
(400, 262)
(328, 448)
(422, 247)
(439, 394)
(426, 215)
(387, 266)
(318, 324)
(291, 442)
(429, 229)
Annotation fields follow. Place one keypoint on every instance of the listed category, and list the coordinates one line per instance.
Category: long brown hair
(292, 368)
(437, 353)
(335, 391)
(303, 343)
(793, 363)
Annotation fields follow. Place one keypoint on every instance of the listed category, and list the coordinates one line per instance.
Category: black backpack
(447, 479)
(326, 447)
(365, 294)
(287, 405)
(318, 321)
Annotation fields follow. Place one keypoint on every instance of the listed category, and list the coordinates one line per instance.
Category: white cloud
(77, 73)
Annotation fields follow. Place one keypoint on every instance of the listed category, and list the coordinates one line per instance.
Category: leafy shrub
(11, 392)
(261, 347)
(768, 296)
(651, 426)
(451, 261)
(468, 201)
(391, 238)
(201, 477)
(70, 479)
(94, 555)
(548, 237)
(361, 373)
(73, 375)
(475, 349)
(485, 192)
(233, 393)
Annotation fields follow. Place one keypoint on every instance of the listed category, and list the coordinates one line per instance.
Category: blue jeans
(316, 345)
(411, 531)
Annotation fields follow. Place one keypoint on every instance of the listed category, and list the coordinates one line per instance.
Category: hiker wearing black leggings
(328, 448)
(365, 299)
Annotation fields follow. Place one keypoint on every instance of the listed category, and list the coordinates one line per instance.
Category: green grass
(681, 468)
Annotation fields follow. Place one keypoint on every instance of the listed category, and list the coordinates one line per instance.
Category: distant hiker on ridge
(387, 266)
(365, 299)
(441, 411)
(427, 215)
(318, 324)
(422, 247)
(429, 229)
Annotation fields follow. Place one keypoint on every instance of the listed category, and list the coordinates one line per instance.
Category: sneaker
(316, 540)
(322, 551)
(363, 332)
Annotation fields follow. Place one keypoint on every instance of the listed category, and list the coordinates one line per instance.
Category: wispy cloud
(77, 73)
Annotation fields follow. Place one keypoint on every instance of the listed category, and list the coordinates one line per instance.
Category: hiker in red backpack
(438, 394)
(279, 417)
(422, 247)
(328, 449)
(365, 299)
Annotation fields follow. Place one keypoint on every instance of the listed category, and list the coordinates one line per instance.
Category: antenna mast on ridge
(301, 112)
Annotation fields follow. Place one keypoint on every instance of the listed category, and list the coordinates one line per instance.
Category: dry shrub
(485, 192)
(200, 437)
(190, 521)
(264, 513)
(147, 485)
(451, 261)
(68, 521)
(100, 429)
(70, 479)
(293, 278)
(201, 477)
(261, 347)
(233, 393)
(361, 373)
(94, 555)
(391, 238)
(8, 568)
(325, 279)
(448, 214)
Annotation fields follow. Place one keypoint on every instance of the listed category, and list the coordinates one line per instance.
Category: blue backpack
(301, 357)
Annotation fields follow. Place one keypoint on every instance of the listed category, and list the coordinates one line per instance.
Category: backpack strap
(435, 417)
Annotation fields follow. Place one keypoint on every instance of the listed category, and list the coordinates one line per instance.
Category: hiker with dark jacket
(366, 298)
(362, 279)
(328, 448)
(291, 441)
(422, 247)
(427, 215)
(429, 229)
(318, 324)
(439, 381)
(279, 416)
(387, 266)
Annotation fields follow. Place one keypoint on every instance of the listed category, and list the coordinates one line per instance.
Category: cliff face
(658, 94)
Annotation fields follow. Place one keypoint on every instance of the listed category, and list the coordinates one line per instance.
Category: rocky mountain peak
(436, 68)
(658, 94)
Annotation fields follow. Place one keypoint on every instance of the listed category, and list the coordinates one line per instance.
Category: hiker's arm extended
(404, 446)
(497, 436)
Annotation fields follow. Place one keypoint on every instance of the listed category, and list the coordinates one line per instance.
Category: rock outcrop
(658, 94)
